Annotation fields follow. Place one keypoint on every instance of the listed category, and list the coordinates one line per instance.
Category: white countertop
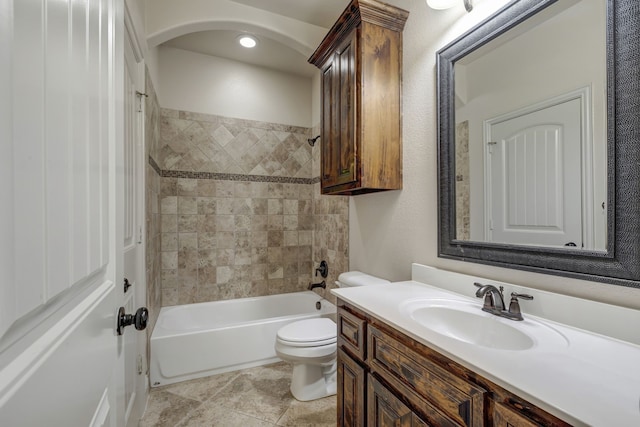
(587, 380)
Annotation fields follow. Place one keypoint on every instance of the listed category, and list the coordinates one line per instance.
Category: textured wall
(152, 200)
(390, 230)
(241, 213)
(209, 84)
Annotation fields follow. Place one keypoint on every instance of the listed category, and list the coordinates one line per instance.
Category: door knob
(139, 320)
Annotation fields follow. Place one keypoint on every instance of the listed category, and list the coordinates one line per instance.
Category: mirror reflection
(531, 132)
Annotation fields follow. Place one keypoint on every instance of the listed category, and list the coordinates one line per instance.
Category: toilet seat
(308, 333)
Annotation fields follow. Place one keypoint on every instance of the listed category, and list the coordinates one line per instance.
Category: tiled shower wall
(330, 227)
(153, 175)
(463, 182)
(241, 214)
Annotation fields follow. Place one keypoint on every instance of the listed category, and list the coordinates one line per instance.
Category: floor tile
(261, 392)
(166, 409)
(255, 397)
(215, 415)
(316, 413)
(201, 389)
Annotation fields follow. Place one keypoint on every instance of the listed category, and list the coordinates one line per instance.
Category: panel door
(134, 343)
(339, 116)
(535, 178)
(60, 83)
(351, 392)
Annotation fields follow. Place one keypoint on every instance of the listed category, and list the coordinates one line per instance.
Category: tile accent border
(230, 176)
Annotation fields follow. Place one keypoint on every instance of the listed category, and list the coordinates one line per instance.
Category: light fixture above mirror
(447, 4)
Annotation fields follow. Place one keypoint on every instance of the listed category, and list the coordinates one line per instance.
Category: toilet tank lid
(358, 278)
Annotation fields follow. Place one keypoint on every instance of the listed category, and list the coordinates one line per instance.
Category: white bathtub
(196, 340)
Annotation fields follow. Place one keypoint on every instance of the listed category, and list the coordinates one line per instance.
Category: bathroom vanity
(420, 355)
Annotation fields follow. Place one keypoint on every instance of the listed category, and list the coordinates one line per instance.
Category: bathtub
(196, 340)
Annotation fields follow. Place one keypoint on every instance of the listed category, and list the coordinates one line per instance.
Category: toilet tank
(357, 278)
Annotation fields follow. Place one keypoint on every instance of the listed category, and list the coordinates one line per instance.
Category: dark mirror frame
(620, 263)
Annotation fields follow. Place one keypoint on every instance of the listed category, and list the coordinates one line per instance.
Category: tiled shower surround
(241, 215)
(153, 175)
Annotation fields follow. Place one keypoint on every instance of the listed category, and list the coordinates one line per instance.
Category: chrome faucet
(494, 301)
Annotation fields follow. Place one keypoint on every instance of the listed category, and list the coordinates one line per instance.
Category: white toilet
(311, 346)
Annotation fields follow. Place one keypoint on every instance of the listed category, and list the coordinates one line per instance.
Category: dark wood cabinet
(384, 409)
(506, 417)
(361, 64)
(351, 400)
(386, 378)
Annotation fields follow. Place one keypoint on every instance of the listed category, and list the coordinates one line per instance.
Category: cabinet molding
(361, 64)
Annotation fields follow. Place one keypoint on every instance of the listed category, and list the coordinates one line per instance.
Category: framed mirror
(539, 140)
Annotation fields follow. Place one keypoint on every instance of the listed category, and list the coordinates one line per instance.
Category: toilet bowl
(310, 345)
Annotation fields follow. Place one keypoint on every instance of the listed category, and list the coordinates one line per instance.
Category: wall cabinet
(386, 378)
(361, 64)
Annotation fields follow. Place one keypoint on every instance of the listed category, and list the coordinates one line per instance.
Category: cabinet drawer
(385, 409)
(352, 334)
(458, 399)
(504, 416)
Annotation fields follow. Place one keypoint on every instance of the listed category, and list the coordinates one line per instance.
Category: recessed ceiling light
(247, 41)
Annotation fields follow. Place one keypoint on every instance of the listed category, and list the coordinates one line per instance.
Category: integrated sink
(466, 322)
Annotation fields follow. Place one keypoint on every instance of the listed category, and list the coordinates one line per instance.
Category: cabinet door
(346, 56)
(385, 409)
(330, 123)
(503, 416)
(351, 392)
(338, 116)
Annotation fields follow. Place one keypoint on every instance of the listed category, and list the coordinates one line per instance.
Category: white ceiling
(269, 53)
(322, 13)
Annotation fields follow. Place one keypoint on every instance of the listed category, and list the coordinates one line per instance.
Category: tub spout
(312, 286)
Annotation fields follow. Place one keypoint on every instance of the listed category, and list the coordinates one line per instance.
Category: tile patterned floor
(256, 397)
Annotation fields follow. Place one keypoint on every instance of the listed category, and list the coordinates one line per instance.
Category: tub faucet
(312, 286)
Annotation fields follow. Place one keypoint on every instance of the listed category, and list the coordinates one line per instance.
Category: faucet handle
(514, 305)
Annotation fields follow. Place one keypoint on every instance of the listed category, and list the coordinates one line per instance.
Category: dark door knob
(138, 320)
(127, 285)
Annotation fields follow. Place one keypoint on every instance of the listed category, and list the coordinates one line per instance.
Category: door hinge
(490, 145)
(140, 365)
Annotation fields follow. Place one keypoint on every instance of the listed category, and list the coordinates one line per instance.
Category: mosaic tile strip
(237, 177)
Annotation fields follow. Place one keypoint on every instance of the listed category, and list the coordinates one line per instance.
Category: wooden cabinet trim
(351, 401)
(496, 401)
(357, 11)
(352, 334)
(361, 146)
(458, 399)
